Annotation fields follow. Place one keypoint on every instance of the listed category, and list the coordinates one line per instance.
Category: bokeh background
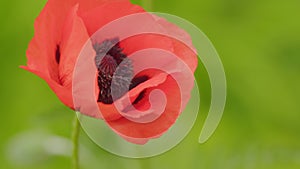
(259, 44)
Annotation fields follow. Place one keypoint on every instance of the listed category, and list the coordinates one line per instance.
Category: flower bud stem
(75, 138)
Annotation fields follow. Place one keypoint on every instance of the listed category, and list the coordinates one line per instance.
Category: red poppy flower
(62, 31)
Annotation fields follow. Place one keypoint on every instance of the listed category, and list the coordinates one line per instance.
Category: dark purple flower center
(115, 72)
(57, 54)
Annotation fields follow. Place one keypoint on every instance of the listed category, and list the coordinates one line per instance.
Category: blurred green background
(259, 44)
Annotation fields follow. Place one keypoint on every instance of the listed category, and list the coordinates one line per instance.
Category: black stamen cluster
(115, 71)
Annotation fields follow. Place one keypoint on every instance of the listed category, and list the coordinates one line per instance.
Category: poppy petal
(86, 5)
(182, 45)
(48, 30)
(61, 85)
(110, 11)
(42, 49)
(127, 128)
(110, 112)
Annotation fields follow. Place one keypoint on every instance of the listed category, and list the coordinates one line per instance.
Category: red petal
(108, 12)
(43, 63)
(51, 31)
(86, 5)
(73, 39)
(177, 98)
(110, 112)
(182, 45)
(127, 128)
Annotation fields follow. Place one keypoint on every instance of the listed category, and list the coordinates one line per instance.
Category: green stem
(147, 4)
(75, 137)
